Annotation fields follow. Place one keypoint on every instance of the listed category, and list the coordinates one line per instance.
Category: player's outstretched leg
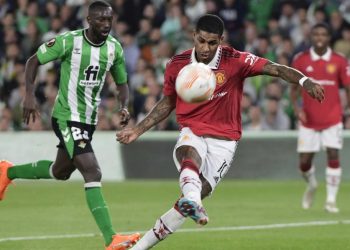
(191, 187)
(4, 180)
(333, 177)
(99, 210)
(167, 224)
(123, 242)
(35, 170)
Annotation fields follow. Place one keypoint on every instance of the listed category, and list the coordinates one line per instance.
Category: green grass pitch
(41, 215)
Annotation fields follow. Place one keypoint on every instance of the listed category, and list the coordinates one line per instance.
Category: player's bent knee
(61, 173)
(305, 160)
(332, 154)
(92, 175)
(188, 152)
(61, 176)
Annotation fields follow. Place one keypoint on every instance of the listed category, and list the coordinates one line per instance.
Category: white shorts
(216, 154)
(310, 140)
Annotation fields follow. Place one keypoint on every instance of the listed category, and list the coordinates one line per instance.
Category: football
(195, 83)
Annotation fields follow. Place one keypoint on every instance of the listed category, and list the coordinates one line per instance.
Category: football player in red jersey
(321, 123)
(210, 130)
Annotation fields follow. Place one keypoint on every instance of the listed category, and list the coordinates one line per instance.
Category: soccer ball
(195, 83)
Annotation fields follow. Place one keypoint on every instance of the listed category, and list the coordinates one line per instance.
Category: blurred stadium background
(262, 187)
(151, 32)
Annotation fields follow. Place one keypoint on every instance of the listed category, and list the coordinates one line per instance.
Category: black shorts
(75, 137)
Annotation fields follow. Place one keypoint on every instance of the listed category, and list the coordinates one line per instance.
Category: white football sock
(310, 177)
(333, 177)
(167, 224)
(191, 185)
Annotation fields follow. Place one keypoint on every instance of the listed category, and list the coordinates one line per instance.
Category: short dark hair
(322, 25)
(98, 5)
(210, 23)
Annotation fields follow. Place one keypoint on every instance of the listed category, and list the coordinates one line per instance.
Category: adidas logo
(216, 179)
(309, 68)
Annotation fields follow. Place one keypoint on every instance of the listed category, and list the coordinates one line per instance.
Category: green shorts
(75, 137)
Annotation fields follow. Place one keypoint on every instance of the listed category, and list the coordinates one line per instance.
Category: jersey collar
(91, 43)
(214, 63)
(326, 56)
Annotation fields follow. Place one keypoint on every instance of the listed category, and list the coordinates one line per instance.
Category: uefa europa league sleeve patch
(51, 42)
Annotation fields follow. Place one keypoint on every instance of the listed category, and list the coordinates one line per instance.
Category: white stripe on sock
(92, 184)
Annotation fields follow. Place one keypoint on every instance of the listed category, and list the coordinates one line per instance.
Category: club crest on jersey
(331, 68)
(220, 77)
(91, 73)
(51, 42)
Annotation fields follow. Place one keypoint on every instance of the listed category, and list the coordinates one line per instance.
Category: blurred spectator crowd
(151, 32)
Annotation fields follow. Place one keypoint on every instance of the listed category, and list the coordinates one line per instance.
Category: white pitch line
(192, 230)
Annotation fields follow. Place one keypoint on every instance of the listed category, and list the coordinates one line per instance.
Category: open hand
(29, 109)
(315, 90)
(127, 135)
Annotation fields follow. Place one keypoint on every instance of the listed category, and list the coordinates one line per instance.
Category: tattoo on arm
(286, 73)
(293, 76)
(159, 112)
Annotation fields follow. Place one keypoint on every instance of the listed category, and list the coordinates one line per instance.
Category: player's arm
(294, 95)
(294, 76)
(123, 97)
(347, 90)
(47, 52)
(29, 103)
(119, 75)
(158, 113)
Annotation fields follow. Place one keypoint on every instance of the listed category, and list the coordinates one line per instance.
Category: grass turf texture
(56, 209)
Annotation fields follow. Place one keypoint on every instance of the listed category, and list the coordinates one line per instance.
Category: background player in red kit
(209, 131)
(321, 123)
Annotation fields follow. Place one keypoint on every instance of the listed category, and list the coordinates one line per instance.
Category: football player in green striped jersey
(86, 56)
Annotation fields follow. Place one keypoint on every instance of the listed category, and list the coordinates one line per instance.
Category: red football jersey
(331, 70)
(221, 115)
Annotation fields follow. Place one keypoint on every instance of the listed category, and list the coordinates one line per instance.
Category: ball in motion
(195, 83)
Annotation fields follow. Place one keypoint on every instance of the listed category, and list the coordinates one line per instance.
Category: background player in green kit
(86, 56)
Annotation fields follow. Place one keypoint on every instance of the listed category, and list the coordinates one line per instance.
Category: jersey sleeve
(345, 73)
(251, 65)
(170, 79)
(51, 50)
(118, 69)
(295, 63)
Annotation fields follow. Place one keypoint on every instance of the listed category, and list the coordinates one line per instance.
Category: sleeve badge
(51, 42)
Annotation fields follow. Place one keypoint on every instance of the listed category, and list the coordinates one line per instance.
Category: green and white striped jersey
(83, 71)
